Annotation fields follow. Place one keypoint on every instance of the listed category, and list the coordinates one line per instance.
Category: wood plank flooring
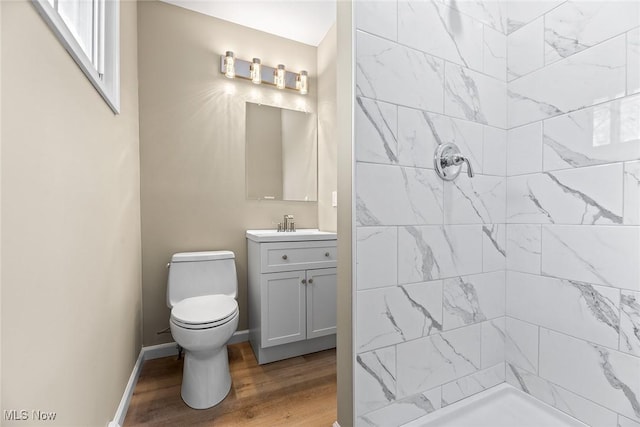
(295, 392)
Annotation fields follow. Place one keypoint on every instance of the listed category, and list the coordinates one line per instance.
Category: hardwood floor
(295, 392)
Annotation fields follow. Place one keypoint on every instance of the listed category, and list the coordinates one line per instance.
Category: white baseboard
(150, 353)
(335, 424)
(171, 349)
(121, 412)
(160, 351)
(239, 336)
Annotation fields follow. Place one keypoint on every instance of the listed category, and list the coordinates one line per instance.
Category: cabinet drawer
(289, 256)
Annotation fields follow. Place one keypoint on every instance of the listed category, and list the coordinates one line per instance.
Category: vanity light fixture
(278, 76)
(259, 73)
(256, 71)
(229, 65)
(302, 83)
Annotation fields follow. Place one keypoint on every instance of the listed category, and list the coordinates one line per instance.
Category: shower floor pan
(500, 406)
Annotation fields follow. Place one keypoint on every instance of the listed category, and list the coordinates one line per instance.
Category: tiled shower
(529, 272)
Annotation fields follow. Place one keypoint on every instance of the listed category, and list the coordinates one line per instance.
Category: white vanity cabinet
(292, 293)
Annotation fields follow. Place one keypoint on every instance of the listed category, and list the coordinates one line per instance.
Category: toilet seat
(204, 312)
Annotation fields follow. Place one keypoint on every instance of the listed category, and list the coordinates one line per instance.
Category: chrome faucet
(287, 224)
(448, 162)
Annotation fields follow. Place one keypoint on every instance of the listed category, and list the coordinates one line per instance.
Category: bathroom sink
(289, 236)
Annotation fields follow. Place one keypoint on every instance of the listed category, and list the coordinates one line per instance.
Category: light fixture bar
(243, 71)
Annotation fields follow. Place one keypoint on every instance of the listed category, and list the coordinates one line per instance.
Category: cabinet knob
(327, 254)
(284, 256)
(310, 281)
(304, 281)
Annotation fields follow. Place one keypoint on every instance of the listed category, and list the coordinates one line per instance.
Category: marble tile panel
(626, 422)
(473, 299)
(577, 196)
(393, 315)
(568, 85)
(376, 130)
(494, 250)
(433, 252)
(477, 200)
(630, 322)
(379, 17)
(493, 339)
(524, 149)
(581, 310)
(494, 160)
(605, 376)
(524, 246)
(494, 54)
(633, 61)
(376, 257)
(472, 384)
(393, 195)
(525, 49)
(577, 25)
(375, 379)
(491, 13)
(386, 71)
(402, 411)
(421, 132)
(434, 28)
(520, 13)
(560, 398)
(632, 193)
(606, 133)
(600, 255)
(432, 361)
(474, 96)
(521, 344)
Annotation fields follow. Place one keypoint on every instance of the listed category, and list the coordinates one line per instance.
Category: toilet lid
(204, 309)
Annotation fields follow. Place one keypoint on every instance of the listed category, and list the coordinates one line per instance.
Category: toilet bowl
(203, 334)
(204, 315)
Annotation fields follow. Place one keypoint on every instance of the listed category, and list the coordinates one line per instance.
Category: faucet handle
(469, 168)
(448, 162)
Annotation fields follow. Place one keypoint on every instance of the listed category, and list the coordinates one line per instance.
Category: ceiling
(305, 21)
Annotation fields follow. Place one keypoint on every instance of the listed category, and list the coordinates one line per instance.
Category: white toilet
(201, 292)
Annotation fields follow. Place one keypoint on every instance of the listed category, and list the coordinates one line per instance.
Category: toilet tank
(193, 274)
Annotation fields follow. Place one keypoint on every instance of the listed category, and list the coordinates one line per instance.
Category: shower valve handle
(448, 162)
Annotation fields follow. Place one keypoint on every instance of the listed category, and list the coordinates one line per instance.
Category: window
(89, 31)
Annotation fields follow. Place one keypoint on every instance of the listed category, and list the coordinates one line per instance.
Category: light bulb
(229, 65)
(256, 70)
(302, 83)
(278, 76)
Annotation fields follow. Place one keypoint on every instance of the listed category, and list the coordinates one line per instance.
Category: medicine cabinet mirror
(281, 154)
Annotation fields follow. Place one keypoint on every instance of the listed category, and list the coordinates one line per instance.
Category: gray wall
(192, 144)
(71, 287)
(327, 129)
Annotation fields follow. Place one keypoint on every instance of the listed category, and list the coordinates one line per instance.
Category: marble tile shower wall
(430, 275)
(573, 207)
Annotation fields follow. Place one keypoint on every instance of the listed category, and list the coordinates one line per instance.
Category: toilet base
(206, 380)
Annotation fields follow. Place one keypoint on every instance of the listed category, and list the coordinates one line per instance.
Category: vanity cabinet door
(283, 307)
(321, 302)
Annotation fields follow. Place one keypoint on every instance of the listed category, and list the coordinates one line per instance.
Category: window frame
(107, 84)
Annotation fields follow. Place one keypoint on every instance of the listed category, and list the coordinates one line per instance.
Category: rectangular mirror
(281, 154)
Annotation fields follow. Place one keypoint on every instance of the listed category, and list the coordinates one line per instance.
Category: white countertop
(289, 236)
